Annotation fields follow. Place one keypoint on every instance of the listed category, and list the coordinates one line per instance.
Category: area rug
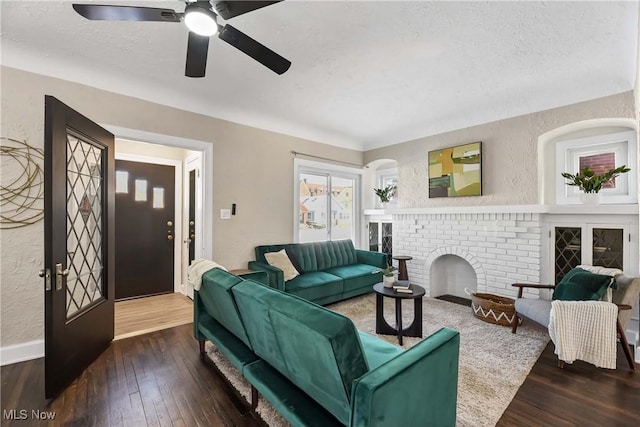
(493, 361)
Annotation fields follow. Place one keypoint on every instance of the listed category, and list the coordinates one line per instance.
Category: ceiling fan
(200, 17)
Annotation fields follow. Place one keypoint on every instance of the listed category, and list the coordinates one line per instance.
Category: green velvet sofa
(329, 271)
(316, 368)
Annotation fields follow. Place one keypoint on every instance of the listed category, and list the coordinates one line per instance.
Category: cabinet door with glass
(606, 245)
(380, 237)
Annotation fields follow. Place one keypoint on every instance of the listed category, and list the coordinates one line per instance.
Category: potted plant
(591, 183)
(388, 274)
(385, 194)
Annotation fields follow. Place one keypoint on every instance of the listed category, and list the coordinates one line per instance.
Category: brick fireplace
(501, 248)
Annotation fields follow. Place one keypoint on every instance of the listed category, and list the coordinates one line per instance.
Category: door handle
(46, 273)
(60, 273)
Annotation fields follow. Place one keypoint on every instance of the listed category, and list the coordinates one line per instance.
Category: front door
(145, 229)
(79, 227)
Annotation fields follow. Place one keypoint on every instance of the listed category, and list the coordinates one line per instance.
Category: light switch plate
(225, 213)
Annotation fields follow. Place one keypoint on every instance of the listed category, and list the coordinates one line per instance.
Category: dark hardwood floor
(159, 379)
(578, 395)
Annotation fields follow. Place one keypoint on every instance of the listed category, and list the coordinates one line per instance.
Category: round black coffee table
(382, 327)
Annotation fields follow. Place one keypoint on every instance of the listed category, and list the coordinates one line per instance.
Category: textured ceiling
(365, 73)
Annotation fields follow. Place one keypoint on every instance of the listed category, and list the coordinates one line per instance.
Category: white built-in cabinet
(607, 245)
(606, 240)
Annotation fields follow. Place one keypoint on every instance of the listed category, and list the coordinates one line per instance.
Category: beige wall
(251, 167)
(509, 153)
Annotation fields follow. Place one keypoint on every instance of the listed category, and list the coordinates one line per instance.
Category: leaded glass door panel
(567, 250)
(608, 247)
(79, 200)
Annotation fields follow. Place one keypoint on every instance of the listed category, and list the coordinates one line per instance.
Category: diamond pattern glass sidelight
(568, 247)
(373, 236)
(387, 244)
(84, 224)
(607, 247)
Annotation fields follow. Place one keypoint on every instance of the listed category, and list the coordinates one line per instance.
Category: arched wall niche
(371, 176)
(547, 144)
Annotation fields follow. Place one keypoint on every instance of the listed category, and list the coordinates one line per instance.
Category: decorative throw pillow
(294, 260)
(282, 261)
(581, 285)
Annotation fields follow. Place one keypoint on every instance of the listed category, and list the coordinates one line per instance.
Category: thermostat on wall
(225, 213)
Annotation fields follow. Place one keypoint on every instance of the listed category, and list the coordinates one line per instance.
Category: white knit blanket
(197, 268)
(584, 330)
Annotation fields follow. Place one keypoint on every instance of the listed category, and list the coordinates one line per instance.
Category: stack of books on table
(402, 286)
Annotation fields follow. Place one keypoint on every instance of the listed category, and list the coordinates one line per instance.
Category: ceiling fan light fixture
(200, 20)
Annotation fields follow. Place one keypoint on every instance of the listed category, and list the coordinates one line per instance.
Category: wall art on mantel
(456, 171)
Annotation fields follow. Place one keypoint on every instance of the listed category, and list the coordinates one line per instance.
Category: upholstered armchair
(624, 295)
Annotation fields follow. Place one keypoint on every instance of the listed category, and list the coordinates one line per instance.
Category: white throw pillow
(281, 260)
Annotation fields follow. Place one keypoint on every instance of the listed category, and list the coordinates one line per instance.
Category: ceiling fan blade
(229, 9)
(197, 50)
(257, 51)
(125, 13)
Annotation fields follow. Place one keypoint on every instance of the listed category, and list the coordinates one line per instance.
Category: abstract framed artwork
(456, 171)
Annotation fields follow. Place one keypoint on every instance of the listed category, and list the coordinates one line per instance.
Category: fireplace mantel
(627, 209)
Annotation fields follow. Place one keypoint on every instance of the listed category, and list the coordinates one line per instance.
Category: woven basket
(493, 308)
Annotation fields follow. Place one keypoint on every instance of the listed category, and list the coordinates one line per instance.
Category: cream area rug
(493, 361)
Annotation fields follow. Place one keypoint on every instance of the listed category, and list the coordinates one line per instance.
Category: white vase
(388, 281)
(590, 198)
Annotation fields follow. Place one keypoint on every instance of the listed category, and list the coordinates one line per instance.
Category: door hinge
(46, 273)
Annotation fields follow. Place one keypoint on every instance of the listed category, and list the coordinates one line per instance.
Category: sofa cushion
(303, 253)
(335, 253)
(377, 351)
(294, 406)
(215, 294)
(317, 349)
(281, 260)
(305, 256)
(582, 285)
(315, 284)
(535, 309)
(356, 276)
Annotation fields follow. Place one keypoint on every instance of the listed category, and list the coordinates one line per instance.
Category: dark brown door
(145, 208)
(79, 226)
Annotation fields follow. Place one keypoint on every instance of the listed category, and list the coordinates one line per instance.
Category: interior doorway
(142, 315)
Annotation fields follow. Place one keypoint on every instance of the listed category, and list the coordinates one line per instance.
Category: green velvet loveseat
(316, 368)
(329, 271)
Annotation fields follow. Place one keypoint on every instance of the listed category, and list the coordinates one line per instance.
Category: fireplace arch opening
(450, 275)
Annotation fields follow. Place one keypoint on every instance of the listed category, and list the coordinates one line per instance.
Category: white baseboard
(20, 352)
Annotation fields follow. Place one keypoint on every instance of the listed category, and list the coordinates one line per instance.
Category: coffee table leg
(399, 319)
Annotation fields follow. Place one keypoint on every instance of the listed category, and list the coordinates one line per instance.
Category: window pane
(141, 190)
(122, 182)
(158, 197)
(341, 208)
(314, 207)
(600, 163)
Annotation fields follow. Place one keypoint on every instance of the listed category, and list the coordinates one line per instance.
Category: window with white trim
(389, 177)
(327, 202)
(601, 153)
